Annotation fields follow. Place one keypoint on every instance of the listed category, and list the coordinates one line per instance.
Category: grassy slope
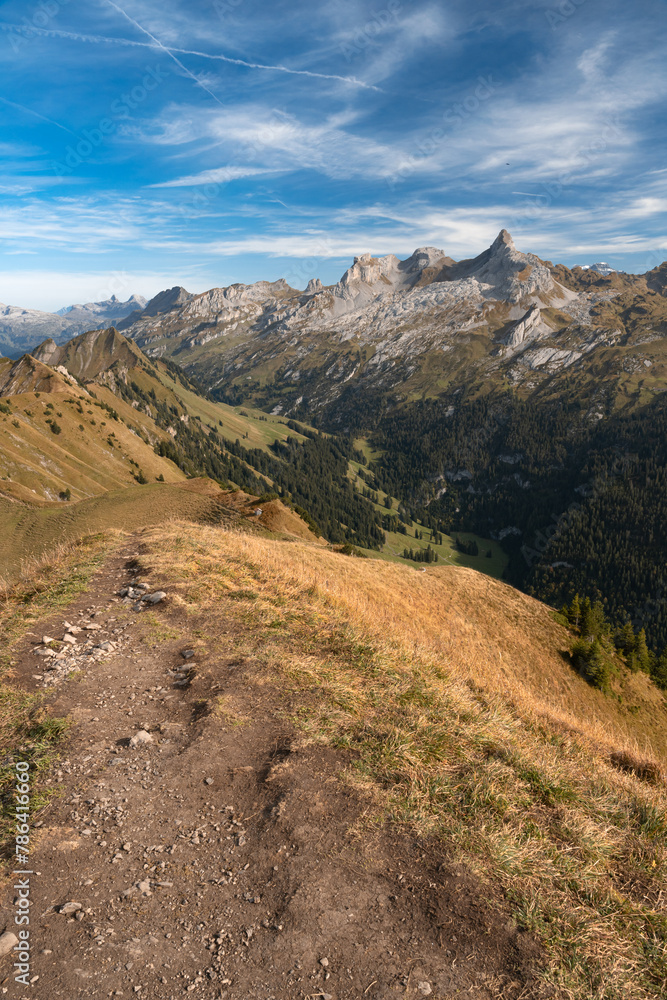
(87, 460)
(463, 719)
(261, 428)
(29, 530)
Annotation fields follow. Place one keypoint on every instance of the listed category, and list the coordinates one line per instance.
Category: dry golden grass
(466, 722)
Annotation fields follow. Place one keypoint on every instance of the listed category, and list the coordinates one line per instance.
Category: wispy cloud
(219, 175)
(35, 114)
(325, 130)
(173, 51)
(278, 141)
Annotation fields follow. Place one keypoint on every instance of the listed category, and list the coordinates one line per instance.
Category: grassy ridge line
(30, 530)
(262, 429)
(436, 683)
(27, 731)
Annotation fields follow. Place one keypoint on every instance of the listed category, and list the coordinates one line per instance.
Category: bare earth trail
(226, 860)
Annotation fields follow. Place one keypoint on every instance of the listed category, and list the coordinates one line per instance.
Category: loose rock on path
(190, 858)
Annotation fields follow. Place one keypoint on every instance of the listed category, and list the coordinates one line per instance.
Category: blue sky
(148, 143)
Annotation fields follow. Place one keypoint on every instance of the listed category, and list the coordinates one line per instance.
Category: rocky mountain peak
(424, 257)
(503, 239)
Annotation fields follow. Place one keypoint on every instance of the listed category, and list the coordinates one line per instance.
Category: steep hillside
(66, 441)
(28, 374)
(303, 774)
(112, 417)
(89, 354)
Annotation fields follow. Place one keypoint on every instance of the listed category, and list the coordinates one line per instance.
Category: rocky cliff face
(420, 324)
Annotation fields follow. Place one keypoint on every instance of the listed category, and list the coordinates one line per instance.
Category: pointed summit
(504, 238)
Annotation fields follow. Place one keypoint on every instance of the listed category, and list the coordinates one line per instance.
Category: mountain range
(257, 545)
(21, 329)
(502, 396)
(414, 328)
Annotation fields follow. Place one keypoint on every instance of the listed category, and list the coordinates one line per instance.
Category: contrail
(164, 49)
(36, 114)
(104, 40)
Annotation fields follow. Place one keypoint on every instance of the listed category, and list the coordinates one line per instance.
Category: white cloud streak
(77, 36)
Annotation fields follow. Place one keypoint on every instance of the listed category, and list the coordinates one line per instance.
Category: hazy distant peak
(107, 310)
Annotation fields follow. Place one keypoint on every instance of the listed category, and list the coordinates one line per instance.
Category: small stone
(141, 737)
(324, 962)
(208, 781)
(155, 598)
(7, 942)
(46, 639)
(44, 652)
(92, 627)
(187, 654)
(67, 909)
(127, 847)
(144, 888)
(424, 988)
(71, 639)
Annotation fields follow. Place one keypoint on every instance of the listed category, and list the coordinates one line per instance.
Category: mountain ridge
(21, 329)
(423, 325)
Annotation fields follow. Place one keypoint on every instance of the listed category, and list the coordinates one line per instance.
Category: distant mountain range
(21, 329)
(504, 395)
(414, 328)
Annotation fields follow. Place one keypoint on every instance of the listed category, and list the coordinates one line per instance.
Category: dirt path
(226, 860)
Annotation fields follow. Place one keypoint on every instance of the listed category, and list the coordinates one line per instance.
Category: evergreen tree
(593, 624)
(574, 612)
(641, 651)
(659, 671)
(625, 638)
